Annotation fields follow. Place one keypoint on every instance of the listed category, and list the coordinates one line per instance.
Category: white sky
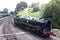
(11, 4)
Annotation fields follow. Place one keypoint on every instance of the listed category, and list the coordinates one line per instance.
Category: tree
(20, 6)
(11, 12)
(5, 10)
(35, 7)
(52, 12)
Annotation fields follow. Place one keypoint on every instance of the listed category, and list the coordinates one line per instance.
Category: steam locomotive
(40, 26)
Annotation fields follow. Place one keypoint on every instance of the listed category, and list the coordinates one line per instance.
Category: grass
(32, 14)
(22, 13)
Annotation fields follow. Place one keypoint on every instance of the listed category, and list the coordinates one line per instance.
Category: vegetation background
(50, 11)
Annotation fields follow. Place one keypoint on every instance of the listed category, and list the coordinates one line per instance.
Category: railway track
(7, 32)
(10, 32)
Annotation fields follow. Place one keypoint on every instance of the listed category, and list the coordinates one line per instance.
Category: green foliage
(52, 11)
(33, 4)
(22, 13)
(11, 12)
(5, 10)
(20, 6)
(30, 13)
(35, 7)
(35, 14)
